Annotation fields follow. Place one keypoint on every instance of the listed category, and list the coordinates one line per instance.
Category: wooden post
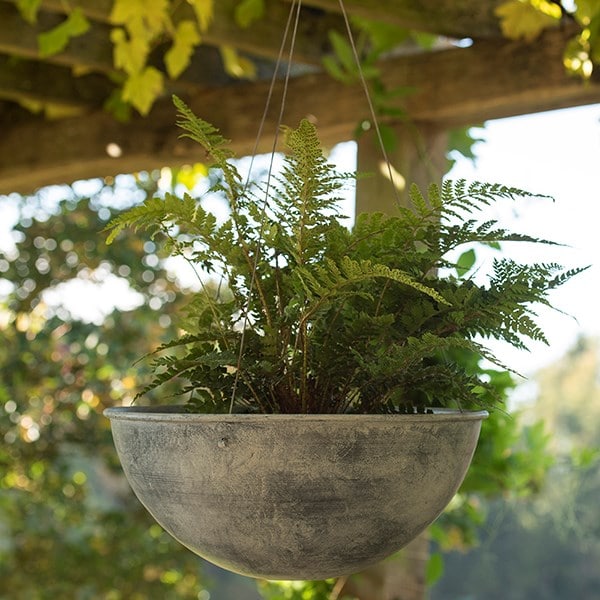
(400, 577)
(420, 157)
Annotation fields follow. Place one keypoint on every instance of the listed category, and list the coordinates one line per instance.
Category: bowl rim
(176, 413)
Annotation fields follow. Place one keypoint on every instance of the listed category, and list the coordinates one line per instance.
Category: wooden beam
(262, 39)
(92, 50)
(62, 151)
(453, 18)
(462, 86)
(32, 81)
(492, 79)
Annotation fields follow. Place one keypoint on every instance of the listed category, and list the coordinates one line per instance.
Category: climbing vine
(139, 27)
(527, 19)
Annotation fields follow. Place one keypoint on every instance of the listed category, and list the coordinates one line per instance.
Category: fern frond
(420, 372)
(304, 199)
(203, 133)
(336, 319)
(167, 368)
(158, 214)
(456, 197)
(418, 201)
(326, 280)
(565, 276)
(146, 216)
(215, 145)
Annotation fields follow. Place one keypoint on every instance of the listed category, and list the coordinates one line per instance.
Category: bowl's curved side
(294, 498)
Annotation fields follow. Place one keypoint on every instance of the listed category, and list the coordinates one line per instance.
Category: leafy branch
(527, 19)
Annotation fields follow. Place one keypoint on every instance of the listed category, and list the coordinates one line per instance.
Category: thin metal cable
(269, 95)
(365, 87)
(297, 5)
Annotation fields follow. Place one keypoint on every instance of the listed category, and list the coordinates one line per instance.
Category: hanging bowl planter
(294, 496)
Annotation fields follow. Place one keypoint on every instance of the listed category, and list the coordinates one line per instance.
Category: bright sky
(555, 153)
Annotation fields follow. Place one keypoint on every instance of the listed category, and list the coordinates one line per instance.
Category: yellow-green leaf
(236, 65)
(129, 54)
(189, 175)
(526, 19)
(153, 16)
(156, 15)
(125, 10)
(204, 10)
(434, 569)
(248, 11)
(586, 11)
(178, 57)
(56, 40)
(29, 9)
(465, 262)
(141, 89)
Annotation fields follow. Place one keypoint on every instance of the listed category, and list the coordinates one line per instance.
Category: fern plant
(300, 314)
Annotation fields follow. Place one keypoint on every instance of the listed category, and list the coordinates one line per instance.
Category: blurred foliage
(576, 423)
(549, 545)
(528, 19)
(300, 590)
(69, 526)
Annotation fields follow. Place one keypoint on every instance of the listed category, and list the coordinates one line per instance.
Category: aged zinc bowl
(294, 496)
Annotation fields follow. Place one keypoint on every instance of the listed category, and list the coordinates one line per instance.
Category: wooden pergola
(453, 86)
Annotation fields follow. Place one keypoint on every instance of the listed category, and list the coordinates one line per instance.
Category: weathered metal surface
(294, 497)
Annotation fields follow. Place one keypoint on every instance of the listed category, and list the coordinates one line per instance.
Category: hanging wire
(294, 16)
(365, 88)
(295, 6)
(272, 87)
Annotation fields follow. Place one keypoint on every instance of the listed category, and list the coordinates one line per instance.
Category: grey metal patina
(294, 497)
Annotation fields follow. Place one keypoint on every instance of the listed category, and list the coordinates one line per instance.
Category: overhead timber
(450, 87)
